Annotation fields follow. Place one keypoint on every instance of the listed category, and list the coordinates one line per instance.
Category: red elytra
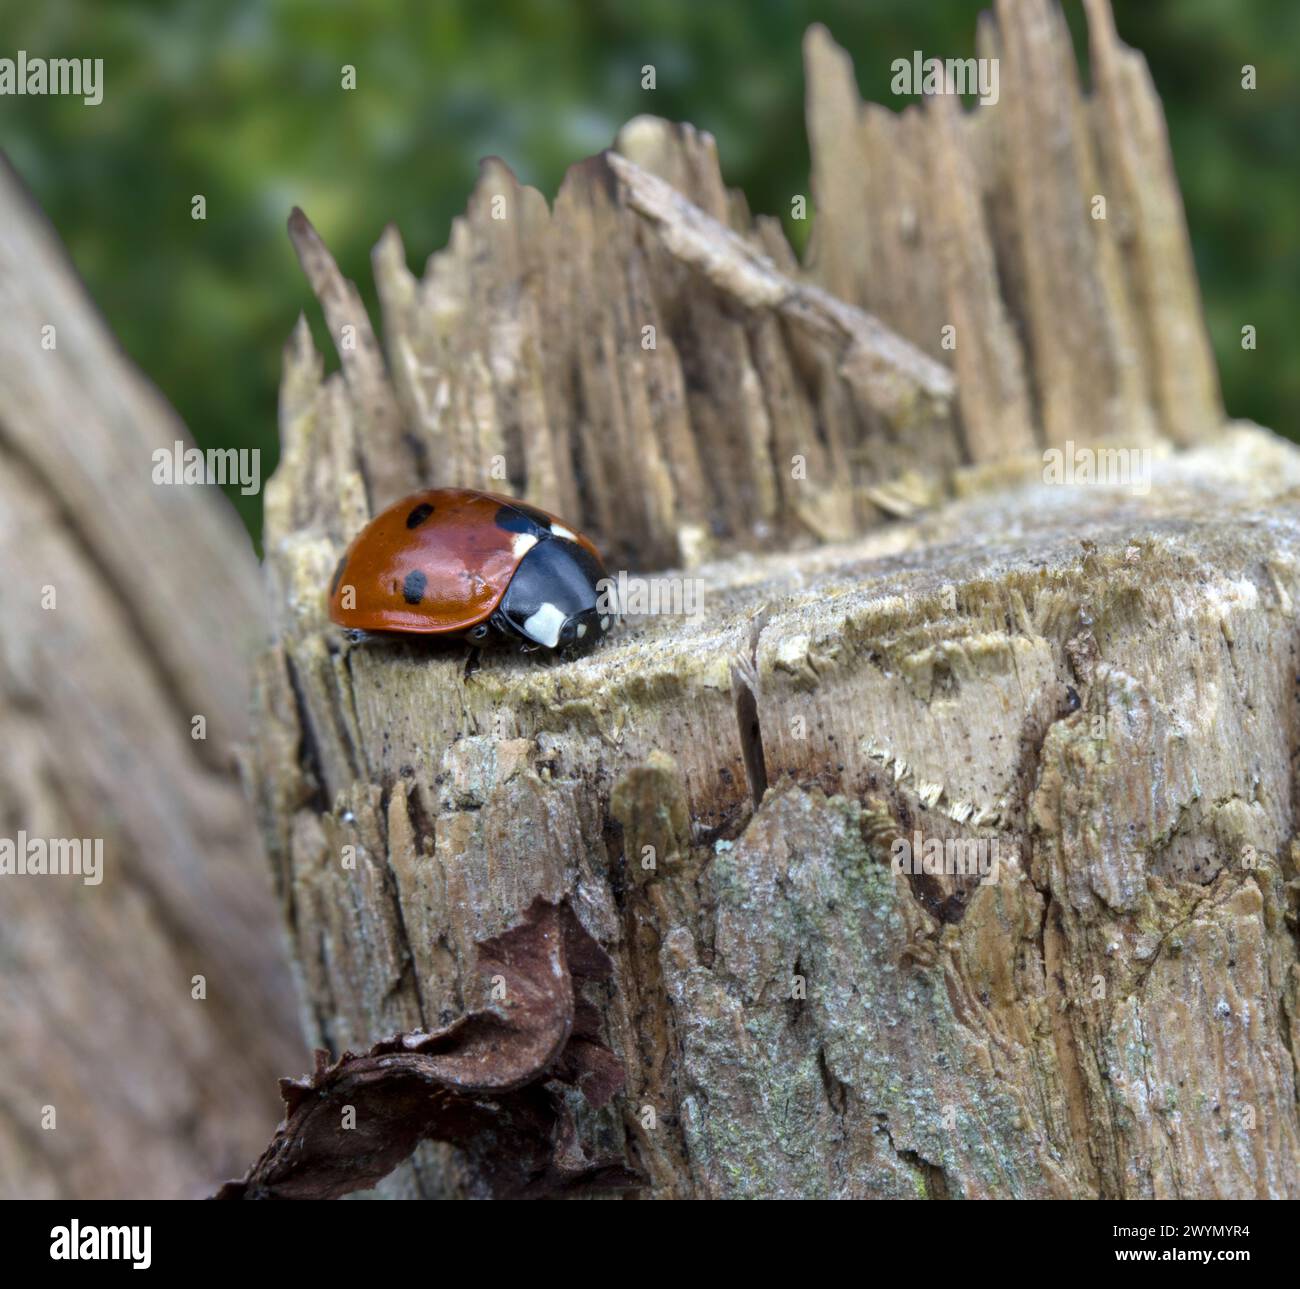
(455, 561)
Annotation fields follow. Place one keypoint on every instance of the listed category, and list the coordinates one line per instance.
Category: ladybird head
(554, 598)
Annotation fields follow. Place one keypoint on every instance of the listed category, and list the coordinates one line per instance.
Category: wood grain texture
(157, 613)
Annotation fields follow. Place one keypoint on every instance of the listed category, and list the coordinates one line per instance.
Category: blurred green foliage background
(241, 101)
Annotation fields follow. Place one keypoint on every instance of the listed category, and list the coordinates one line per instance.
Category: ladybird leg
(472, 661)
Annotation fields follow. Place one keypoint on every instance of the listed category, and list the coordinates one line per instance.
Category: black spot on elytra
(338, 575)
(419, 515)
(519, 517)
(413, 587)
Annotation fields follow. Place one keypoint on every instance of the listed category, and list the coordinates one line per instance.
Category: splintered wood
(1098, 680)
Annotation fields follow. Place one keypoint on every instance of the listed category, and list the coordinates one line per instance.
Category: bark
(1099, 679)
(155, 612)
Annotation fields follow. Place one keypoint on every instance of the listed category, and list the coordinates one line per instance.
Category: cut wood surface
(904, 632)
(126, 610)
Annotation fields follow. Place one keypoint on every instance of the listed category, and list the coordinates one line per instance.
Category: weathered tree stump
(905, 633)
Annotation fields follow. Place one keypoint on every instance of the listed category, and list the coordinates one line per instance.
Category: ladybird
(457, 562)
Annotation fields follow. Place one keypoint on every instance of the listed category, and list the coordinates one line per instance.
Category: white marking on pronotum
(523, 543)
(544, 626)
(604, 624)
(559, 530)
(582, 630)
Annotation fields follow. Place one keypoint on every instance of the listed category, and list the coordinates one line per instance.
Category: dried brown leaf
(483, 1083)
